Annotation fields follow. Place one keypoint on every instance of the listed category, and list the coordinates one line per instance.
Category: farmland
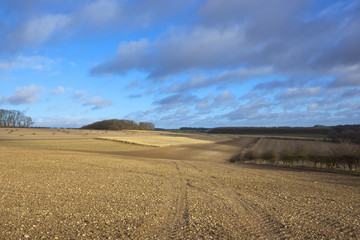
(89, 184)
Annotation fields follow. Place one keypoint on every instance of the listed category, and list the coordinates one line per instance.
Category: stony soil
(184, 192)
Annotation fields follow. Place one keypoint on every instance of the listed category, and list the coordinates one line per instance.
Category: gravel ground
(169, 193)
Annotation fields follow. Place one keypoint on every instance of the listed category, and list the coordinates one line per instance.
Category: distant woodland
(14, 118)
(340, 133)
(116, 124)
(193, 129)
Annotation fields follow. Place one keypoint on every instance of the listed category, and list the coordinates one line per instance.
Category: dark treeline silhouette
(340, 133)
(116, 124)
(194, 129)
(272, 130)
(345, 133)
(14, 118)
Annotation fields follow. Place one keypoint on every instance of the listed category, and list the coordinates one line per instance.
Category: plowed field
(81, 188)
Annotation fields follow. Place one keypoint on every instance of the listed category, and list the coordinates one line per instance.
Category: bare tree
(14, 118)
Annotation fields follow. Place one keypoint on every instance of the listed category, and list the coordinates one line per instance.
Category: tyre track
(261, 224)
(253, 220)
(237, 213)
(177, 221)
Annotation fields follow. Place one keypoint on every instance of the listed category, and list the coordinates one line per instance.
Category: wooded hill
(116, 124)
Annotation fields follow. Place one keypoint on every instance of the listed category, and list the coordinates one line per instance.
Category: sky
(195, 63)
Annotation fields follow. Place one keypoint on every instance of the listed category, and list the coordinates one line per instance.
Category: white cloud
(314, 106)
(59, 90)
(250, 110)
(28, 62)
(347, 75)
(182, 111)
(222, 79)
(80, 94)
(306, 92)
(134, 52)
(23, 95)
(172, 102)
(225, 98)
(352, 105)
(35, 23)
(201, 48)
(101, 12)
(133, 84)
(39, 29)
(97, 102)
(231, 34)
(204, 104)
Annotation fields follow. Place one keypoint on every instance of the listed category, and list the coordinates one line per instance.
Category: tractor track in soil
(177, 221)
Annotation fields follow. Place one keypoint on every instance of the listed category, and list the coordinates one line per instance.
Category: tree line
(116, 124)
(339, 133)
(345, 133)
(194, 129)
(14, 118)
(272, 130)
(344, 156)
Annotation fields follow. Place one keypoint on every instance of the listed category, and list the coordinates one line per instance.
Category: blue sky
(196, 63)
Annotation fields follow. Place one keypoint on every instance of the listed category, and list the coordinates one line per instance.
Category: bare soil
(180, 192)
